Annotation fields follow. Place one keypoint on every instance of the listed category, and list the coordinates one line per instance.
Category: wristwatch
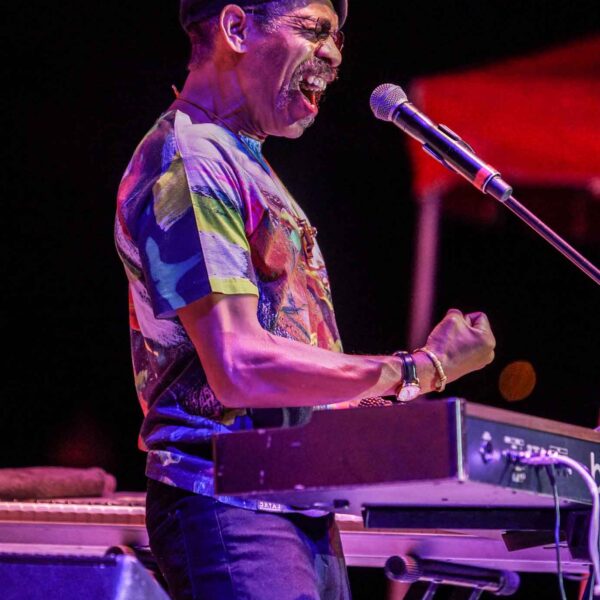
(410, 388)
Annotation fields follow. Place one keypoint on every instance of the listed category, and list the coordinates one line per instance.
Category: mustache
(320, 68)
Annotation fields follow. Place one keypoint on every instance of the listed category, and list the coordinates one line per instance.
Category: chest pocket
(277, 242)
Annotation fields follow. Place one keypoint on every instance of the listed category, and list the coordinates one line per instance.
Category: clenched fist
(463, 343)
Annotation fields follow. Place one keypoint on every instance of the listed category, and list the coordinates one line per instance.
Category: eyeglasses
(317, 35)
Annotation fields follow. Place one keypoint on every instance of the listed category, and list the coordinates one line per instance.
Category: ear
(233, 24)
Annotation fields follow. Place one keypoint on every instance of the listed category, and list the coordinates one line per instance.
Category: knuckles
(453, 318)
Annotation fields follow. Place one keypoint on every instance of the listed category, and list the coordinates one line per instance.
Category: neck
(218, 93)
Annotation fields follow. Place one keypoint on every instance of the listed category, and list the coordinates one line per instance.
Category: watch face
(408, 392)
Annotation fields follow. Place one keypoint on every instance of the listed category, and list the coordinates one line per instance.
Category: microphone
(390, 103)
(409, 569)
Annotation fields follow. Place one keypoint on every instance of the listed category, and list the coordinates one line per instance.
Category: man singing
(232, 323)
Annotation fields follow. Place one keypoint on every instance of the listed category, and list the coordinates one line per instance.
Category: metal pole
(553, 238)
(424, 269)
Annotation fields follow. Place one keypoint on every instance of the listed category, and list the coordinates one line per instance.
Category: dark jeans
(207, 550)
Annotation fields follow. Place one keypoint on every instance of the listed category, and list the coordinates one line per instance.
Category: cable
(552, 458)
(551, 470)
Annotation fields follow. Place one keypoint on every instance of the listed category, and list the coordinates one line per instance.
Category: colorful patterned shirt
(201, 211)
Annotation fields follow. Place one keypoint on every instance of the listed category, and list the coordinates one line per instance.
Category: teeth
(316, 82)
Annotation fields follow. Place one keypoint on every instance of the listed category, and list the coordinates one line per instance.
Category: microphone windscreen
(385, 99)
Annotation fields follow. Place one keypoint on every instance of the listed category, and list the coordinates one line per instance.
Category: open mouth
(313, 87)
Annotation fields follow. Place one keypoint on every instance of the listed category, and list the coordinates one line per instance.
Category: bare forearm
(248, 367)
(270, 371)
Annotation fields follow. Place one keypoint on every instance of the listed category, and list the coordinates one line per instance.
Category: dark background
(83, 83)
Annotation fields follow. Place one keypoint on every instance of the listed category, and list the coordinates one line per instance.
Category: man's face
(288, 69)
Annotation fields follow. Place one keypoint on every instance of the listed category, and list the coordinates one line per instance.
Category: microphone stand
(426, 250)
(496, 187)
(553, 238)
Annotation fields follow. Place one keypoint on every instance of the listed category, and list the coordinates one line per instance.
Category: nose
(329, 52)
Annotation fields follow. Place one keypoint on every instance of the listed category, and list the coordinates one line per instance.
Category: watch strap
(411, 386)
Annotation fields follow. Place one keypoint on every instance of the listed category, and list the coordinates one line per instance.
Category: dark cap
(191, 11)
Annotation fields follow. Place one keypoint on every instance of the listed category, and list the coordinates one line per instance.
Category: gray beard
(307, 122)
(282, 103)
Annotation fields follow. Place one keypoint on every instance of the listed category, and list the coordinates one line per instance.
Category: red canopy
(535, 118)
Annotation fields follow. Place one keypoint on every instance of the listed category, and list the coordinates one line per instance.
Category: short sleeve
(191, 236)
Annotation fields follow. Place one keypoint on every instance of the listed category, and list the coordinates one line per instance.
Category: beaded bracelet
(438, 367)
